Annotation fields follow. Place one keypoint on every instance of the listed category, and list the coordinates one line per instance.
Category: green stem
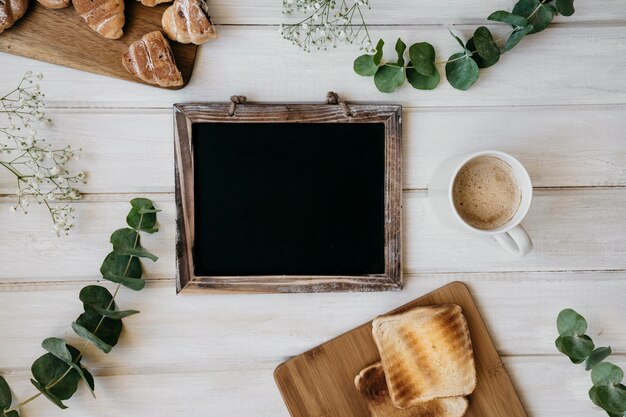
(84, 349)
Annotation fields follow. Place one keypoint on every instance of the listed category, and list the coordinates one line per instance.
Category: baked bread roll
(11, 11)
(104, 16)
(152, 3)
(188, 21)
(426, 353)
(151, 59)
(370, 382)
(55, 4)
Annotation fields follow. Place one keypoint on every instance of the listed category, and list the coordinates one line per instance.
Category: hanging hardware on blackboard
(333, 98)
(234, 100)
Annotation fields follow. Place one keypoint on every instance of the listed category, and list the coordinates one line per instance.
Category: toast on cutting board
(426, 353)
(371, 383)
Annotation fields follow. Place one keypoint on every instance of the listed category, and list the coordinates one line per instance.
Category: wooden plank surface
(557, 103)
(320, 381)
(62, 37)
(286, 74)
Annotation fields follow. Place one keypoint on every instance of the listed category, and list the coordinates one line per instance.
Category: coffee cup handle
(515, 241)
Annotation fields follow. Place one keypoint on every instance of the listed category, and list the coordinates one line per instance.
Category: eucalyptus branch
(462, 68)
(57, 373)
(40, 169)
(607, 391)
(322, 28)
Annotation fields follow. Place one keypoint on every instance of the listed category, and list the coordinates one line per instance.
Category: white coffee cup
(511, 236)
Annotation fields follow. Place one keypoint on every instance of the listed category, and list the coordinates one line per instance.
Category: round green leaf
(60, 349)
(577, 347)
(142, 216)
(47, 370)
(423, 58)
(364, 66)
(127, 242)
(48, 394)
(462, 71)
(605, 373)
(420, 81)
(510, 18)
(486, 48)
(12, 414)
(123, 269)
(612, 398)
(96, 297)
(379, 52)
(597, 356)
(105, 337)
(389, 77)
(6, 397)
(565, 7)
(541, 18)
(570, 323)
(516, 37)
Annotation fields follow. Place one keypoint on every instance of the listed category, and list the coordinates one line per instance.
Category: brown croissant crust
(188, 21)
(55, 4)
(104, 16)
(152, 3)
(11, 11)
(151, 59)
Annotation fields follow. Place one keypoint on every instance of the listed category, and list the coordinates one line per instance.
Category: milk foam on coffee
(485, 192)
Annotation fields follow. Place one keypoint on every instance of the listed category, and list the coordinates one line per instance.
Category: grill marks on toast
(426, 354)
(372, 385)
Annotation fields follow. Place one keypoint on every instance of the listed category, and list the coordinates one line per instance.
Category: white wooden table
(558, 103)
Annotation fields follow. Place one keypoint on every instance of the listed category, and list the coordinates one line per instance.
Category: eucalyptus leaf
(364, 66)
(516, 37)
(570, 323)
(577, 347)
(389, 77)
(379, 52)
(423, 59)
(420, 81)
(96, 297)
(6, 398)
(612, 398)
(565, 7)
(11, 414)
(597, 356)
(593, 395)
(142, 216)
(123, 269)
(52, 373)
(49, 395)
(400, 48)
(539, 15)
(458, 40)
(606, 373)
(127, 242)
(462, 71)
(510, 18)
(559, 345)
(103, 332)
(60, 349)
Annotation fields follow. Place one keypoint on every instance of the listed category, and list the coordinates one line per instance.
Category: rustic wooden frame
(185, 115)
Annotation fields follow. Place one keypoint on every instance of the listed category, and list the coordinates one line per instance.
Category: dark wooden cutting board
(62, 37)
(320, 382)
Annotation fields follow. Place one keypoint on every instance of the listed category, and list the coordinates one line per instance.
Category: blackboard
(300, 200)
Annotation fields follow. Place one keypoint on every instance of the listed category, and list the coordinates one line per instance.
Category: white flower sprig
(326, 24)
(40, 168)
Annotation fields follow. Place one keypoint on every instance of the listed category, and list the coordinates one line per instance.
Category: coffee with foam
(485, 193)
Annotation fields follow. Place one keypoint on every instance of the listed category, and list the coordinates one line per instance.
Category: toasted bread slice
(426, 353)
(370, 382)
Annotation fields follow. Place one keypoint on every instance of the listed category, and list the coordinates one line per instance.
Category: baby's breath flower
(323, 26)
(39, 167)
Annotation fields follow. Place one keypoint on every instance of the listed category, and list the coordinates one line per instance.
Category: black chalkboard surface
(288, 198)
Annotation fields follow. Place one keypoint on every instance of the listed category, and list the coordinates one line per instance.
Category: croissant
(104, 16)
(11, 11)
(152, 3)
(150, 59)
(188, 21)
(55, 4)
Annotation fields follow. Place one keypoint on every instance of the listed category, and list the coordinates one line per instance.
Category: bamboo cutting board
(62, 37)
(320, 382)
